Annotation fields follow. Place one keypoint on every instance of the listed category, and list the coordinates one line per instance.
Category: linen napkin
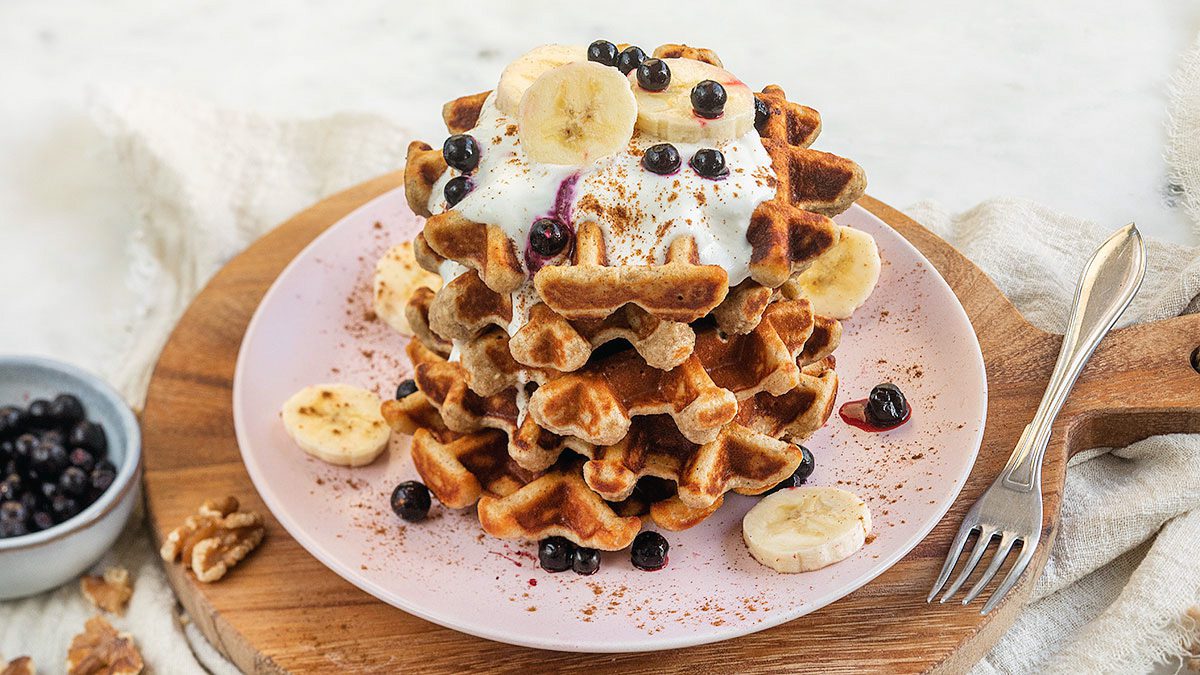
(1114, 596)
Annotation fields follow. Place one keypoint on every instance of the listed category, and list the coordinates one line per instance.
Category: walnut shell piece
(215, 539)
(110, 592)
(101, 650)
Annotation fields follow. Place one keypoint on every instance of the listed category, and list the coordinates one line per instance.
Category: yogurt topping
(639, 212)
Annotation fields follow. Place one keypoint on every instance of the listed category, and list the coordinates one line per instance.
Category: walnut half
(110, 592)
(215, 539)
(101, 650)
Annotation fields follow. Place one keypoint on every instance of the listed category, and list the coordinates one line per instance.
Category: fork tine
(1014, 574)
(956, 548)
(981, 544)
(1006, 543)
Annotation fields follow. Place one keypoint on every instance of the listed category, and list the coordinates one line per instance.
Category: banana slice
(668, 114)
(806, 528)
(842, 278)
(397, 275)
(531, 65)
(576, 113)
(337, 423)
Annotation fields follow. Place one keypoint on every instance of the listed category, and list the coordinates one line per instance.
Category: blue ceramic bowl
(42, 560)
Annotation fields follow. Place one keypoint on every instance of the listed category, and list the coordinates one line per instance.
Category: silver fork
(1011, 508)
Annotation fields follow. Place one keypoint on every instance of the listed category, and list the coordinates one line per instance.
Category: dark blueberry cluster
(629, 59)
(457, 188)
(662, 159)
(557, 554)
(800, 475)
(548, 237)
(603, 52)
(53, 464)
(709, 163)
(649, 551)
(461, 152)
(886, 406)
(411, 501)
(761, 114)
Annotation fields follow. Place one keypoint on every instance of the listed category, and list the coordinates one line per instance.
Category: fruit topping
(531, 65)
(586, 561)
(38, 414)
(405, 388)
(761, 113)
(411, 501)
(103, 475)
(662, 159)
(654, 75)
(337, 423)
(670, 114)
(708, 99)
(841, 279)
(649, 551)
(461, 151)
(886, 406)
(88, 435)
(457, 188)
(602, 52)
(806, 528)
(629, 59)
(556, 554)
(800, 475)
(709, 163)
(548, 237)
(576, 114)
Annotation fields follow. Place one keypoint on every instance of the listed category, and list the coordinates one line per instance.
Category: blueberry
(586, 561)
(654, 75)
(649, 551)
(461, 151)
(662, 159)
(405, 388)
(629, 59)
(555, 554)
(48, 460)
(7, 452)
(708, 99)
(83, 459)
(51, 436)
(88, 435)
(801, 474)
(66, 409)
(886, 406)
(410, 500)
(41, 521)
(30, 501)
(38, 414)
(13, 510)
(548, 237)
(102, 477)
(710, 163)
(12, 528)
(10, 488)
(457, 188)
(23, 448)
(63, 507)
(602, 52)
(12, 421)
(761, 113)
(73, 481)
(48, 489)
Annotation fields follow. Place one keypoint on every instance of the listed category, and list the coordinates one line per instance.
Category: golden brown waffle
(461, 114)
(589, 288)
(597, 403)
(481, 247)
(417, 314)
(421, 170)
(458, 468)
(673, 51)
(559, 504)
(466, 306)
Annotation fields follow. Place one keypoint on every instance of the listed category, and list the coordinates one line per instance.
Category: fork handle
(1109, 281)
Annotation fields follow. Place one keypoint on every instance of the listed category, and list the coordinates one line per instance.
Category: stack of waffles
(583, 397)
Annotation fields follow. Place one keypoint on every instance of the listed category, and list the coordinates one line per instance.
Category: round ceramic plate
(315, 325)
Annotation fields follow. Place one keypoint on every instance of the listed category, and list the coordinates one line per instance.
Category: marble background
(1061, 102)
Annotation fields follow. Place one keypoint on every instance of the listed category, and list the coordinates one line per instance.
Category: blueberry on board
(886, 406)
(555, 554)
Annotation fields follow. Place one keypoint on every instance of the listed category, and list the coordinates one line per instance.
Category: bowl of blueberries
(70, 467)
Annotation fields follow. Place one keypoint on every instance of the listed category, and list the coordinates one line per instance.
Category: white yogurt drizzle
(639, 212)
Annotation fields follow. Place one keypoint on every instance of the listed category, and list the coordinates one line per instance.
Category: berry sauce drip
(535, 261)
(855, 414)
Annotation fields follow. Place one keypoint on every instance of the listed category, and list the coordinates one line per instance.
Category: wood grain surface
(282, 610)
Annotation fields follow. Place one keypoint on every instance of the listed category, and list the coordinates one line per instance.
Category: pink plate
(315, 325)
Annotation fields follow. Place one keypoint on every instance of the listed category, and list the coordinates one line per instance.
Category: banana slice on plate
(668, 114)
(841, 279)
(397, 275)
(806, 528)
(337, 423)
(576, 114)
(531, 65)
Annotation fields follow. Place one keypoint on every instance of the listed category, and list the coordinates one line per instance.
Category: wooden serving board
(282, 610)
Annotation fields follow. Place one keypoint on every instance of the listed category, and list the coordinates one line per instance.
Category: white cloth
(1121, 574)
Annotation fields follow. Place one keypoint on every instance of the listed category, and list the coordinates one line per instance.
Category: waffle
(461, 114)
(422, 168)
(481, 247)
(598, 402)
(459, 468)
(417, 314)
(673, 51)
